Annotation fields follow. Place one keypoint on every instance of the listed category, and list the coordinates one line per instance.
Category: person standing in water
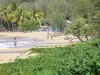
(15, 42)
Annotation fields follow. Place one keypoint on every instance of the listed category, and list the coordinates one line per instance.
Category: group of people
(49, 35)
(50, 31)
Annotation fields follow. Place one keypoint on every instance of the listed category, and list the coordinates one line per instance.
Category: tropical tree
(30, 25)
(80, 29)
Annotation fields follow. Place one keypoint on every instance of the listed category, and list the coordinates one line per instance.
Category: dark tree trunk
(12, 27)
(8, 25)
(86, 37)
(80, 38)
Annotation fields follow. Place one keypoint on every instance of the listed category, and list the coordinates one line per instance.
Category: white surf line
(3, 46)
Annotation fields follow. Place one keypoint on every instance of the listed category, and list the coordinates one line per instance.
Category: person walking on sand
(51, 31)
(15, 42)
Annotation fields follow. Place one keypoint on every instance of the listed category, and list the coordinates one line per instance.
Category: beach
(9, 53)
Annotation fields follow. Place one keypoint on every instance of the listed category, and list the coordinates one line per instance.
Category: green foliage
(12, 13)
(30, 25)
(55, 11)
(78, 28)
(58, 20)
(79, 59)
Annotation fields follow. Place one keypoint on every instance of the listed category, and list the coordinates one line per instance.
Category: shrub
(78, 59)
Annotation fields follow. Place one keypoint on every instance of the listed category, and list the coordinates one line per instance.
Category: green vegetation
(30, 25)
(79, 59)
(15, 17)
(84, 16)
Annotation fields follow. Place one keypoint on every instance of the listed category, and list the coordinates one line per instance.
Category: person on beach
(51, 31)
(15, 42)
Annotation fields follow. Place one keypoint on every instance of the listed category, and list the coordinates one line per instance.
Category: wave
(3, 46)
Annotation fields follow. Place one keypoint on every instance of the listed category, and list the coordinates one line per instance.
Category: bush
(78, 59)
(30, 25)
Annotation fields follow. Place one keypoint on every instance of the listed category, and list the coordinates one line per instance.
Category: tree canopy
(54, 12)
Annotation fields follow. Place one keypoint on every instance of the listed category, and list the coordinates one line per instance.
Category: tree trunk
(80, 38)
(8, 25)
(86, 37)
(12, 27)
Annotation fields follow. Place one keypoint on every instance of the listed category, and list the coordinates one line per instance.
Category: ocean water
(3, 46)
(6, 43)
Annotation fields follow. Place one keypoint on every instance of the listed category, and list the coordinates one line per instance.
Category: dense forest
(84, 15)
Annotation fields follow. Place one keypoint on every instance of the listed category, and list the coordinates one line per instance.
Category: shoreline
(9, 55)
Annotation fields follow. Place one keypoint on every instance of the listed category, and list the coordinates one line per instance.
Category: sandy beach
(9, 55)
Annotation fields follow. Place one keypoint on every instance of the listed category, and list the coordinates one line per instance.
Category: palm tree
(1, 13)
(39, 16)
(4, 15)
(7, 14)
(34, 12)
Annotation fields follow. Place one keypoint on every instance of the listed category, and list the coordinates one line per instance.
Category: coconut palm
(39, 16)
(4, 15)
(7, 14)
